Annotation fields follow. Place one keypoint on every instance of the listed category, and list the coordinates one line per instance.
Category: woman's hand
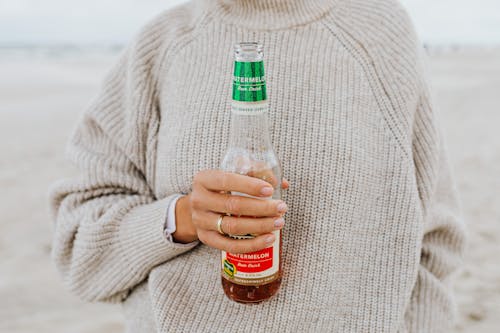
(197, 213)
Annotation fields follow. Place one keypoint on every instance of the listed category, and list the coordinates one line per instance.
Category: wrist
(185, 231)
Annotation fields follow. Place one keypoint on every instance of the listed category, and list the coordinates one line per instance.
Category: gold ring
(219, 225)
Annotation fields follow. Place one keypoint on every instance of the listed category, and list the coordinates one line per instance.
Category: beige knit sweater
(373, 231)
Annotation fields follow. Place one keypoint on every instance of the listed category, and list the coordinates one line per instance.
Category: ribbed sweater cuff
(142, 239)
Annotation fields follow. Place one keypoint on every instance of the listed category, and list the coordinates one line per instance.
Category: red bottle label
(254, 268)
(253, 262)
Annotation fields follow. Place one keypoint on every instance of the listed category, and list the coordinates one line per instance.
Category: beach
(43, 93)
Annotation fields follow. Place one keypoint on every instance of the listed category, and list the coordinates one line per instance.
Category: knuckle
(230, 226)
(224, 180)
(195, 200)
(202, 237)
(233, 204)
(197, 177)
(196, 218)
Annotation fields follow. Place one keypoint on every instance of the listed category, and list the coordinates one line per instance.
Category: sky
(116, 21)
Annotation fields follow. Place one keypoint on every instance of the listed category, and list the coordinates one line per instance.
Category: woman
(372, 230)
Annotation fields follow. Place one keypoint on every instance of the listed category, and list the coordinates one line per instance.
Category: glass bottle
(251, 277)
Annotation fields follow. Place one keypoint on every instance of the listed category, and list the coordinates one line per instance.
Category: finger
(285, 184)
(236, 246)
(236, 205)
(217, 180)
(262, 171)
(233, 225)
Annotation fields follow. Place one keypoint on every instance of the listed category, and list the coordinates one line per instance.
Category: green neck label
(249, 83)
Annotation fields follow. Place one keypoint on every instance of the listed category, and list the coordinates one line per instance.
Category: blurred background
(53, 56)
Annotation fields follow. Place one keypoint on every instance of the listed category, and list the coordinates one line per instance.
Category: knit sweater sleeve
(109, 225)
(391, 46)
(431, 307)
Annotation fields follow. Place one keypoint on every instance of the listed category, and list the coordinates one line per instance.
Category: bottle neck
(249, 81)
(250, 131)
(249, 107)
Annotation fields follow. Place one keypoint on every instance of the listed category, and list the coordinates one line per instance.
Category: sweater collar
(270, 14)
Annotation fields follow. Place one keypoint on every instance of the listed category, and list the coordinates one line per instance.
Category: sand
(41, 96)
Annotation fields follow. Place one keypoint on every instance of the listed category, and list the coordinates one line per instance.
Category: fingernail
(282, 207)
(279, 222)
(270, 239)
(267, 191)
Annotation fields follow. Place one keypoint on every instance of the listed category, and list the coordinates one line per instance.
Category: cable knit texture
(373, 231)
